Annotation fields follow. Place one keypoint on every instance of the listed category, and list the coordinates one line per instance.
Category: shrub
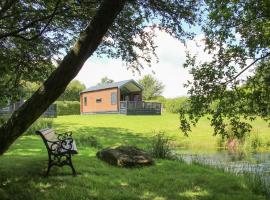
(231, 141)
(41, 123)
(68, 107)
(174, 105)
(160, 146)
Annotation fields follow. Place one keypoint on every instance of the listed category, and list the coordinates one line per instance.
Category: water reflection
(227, 155)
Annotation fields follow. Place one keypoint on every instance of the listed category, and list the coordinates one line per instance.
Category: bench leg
(48, 169)
(49, 165)
(73, 170)
(71, 166)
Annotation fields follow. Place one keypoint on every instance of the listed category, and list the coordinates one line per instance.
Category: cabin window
(113, 98)
(99, 100)
(85, 101)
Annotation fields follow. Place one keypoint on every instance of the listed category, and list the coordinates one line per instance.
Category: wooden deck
(140, 108)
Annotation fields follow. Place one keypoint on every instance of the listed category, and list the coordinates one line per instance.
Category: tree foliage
(152, 88)
(38, 34)
(174, 105)
(237, 35)
(52, 26)
(104, 80)
(33, 38)
(72, 92)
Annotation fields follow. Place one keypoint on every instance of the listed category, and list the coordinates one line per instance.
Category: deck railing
(140, 107)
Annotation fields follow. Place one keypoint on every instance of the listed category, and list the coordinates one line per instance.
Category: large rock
(125, 156)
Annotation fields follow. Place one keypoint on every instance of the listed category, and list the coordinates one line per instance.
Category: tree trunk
(55, 85)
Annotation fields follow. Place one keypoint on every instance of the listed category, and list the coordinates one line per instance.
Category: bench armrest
(61, 146)
(64, 136)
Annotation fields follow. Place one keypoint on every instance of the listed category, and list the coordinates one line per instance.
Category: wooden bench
(60, 148)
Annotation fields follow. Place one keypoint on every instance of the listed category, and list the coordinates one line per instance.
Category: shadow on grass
(110, 136)
(21, 175)
(98, 180)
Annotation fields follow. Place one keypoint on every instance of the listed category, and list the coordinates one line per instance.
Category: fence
(140, 108)
(8, 110)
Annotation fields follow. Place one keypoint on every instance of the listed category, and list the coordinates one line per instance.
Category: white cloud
(169, 70)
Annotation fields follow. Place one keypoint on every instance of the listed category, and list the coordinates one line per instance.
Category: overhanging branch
(50, 17)
(46, 25)
(247, 67)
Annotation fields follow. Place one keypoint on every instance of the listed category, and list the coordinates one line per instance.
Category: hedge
(68, 107)
(41, 123)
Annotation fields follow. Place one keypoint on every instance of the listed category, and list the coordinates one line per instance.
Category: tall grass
(257, 183)
(256, 179)
(256, 141)
(160, 146)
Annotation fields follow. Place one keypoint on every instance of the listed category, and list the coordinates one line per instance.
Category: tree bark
(55, 85)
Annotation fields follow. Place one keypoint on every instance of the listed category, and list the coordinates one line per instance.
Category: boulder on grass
(125, 156)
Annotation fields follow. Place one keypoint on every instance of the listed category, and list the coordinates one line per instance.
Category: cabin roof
(120, 85)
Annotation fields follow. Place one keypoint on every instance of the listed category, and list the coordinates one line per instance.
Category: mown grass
(23, 166)
(123, 129)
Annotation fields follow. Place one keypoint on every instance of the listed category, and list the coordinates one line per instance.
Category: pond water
(256, 165)
(237, 162)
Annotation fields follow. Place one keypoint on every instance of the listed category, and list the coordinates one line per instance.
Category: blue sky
(169, 70)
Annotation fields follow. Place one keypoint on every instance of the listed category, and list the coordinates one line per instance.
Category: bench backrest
(47, 134)
(53, 144)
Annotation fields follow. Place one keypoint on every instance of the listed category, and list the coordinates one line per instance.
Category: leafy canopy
(104, 80)
(72, 92)
(39, 33)
(152, 88)
(33, 37)
(237, 35)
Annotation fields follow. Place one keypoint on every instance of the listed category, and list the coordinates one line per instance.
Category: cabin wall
(99, 101)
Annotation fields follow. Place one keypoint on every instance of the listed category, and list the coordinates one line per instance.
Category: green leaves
(34, 36)
(104, 80)
(236, 35)
(152, 88)
(72, 92)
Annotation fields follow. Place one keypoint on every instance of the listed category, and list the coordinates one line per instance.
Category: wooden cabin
(123, 97)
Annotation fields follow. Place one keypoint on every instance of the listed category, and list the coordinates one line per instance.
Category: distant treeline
(172, 105)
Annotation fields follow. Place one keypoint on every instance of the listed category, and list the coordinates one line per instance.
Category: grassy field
(23, 166)
(121, 129)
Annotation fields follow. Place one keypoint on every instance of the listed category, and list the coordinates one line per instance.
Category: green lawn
(121, 129)
(23, 166)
